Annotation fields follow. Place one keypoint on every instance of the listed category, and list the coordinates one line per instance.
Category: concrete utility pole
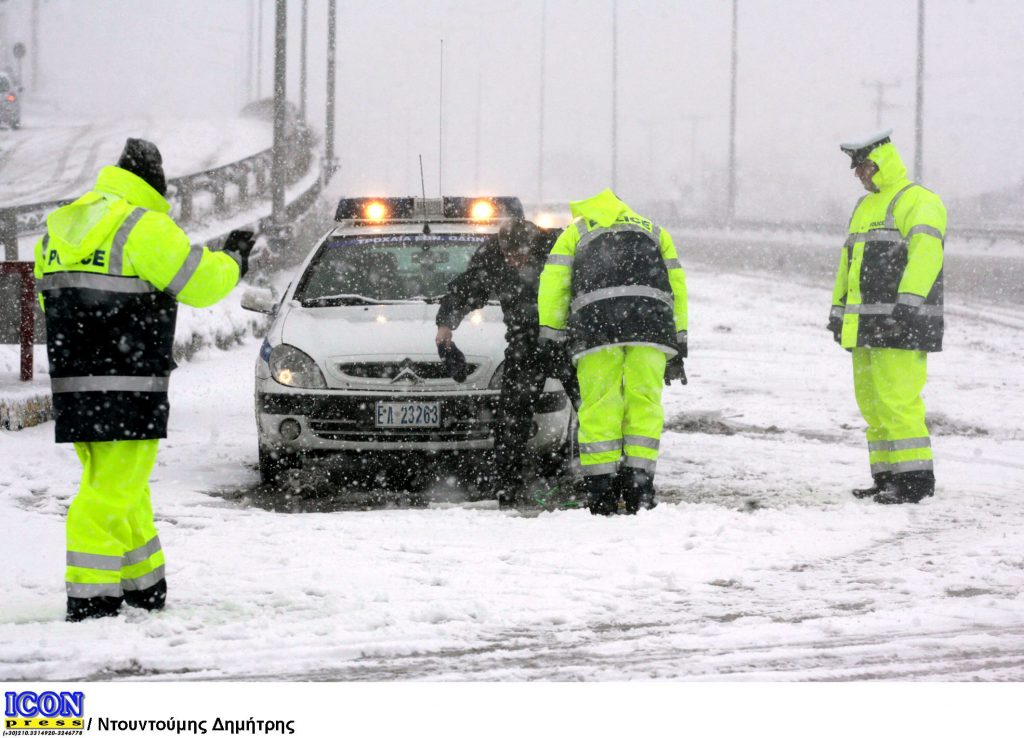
(919, 107)
(330, 164)
(280, 230)
(251, 50)
(615, 94)
(302, 60)
(880, 104)
(35, 45)
(259, 49)
(731, 205)
(540, 117)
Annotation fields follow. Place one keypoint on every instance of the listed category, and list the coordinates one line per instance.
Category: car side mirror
(259, 300)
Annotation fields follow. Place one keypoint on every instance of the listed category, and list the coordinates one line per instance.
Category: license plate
(408, 414)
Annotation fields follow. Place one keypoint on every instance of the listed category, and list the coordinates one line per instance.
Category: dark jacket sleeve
(471, 289)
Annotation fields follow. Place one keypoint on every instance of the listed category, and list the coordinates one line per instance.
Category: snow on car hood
(380, 333)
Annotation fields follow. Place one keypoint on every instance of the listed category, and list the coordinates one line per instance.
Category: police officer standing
(887, 309)
(614, 290)
(111, 269)
(507, 267)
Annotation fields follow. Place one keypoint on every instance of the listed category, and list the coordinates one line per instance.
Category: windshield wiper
(350, 299)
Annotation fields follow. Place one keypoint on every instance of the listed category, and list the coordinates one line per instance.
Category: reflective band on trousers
(94, 561)
(837, 311)
(93, 281)
(188, 268)
(145, 581)
(140, 554)
(626, 291)
(903, 466)
(594, 470)
(635, 462)
(560, 260)
(885, 308)
(902, 445)
(85, 591)
(673, 264)
(109, 384)
(120, 238)
(680, 336)
(642, 441)
(598, 447)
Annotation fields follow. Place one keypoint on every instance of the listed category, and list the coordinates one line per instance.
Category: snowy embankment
(757, 564)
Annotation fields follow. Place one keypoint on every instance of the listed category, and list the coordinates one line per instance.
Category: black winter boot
(908, 487)
(602, 495)
(151, 598)
(84, 608)
(637, 489)
(882, 481)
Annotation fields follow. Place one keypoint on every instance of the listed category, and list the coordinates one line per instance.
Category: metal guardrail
(231, 188)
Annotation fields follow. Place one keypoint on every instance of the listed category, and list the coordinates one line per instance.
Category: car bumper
(345, 421)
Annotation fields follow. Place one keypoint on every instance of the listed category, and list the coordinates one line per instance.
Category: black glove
(836, 326)
(674, 370)
(454, 361)
(241, 243)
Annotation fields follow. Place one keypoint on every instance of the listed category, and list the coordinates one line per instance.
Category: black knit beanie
(142, 158)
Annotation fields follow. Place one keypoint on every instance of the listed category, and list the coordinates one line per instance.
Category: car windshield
(386, 268)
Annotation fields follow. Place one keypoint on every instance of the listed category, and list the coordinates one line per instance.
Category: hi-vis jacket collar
(858, 150)
(134, 189)
(604, 208)
(892, 172)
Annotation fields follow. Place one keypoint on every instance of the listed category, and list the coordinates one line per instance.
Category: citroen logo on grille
(406, 374)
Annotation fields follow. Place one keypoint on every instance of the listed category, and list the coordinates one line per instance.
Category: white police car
(349, 371)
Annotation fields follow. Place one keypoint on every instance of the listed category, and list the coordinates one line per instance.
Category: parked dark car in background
(10, 102)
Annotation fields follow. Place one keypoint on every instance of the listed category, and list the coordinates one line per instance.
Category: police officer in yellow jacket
(614, 289)
(111, 269)
(887, 309)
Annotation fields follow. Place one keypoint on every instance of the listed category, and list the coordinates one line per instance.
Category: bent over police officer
(507, 267)
(614, 290)
(111, 269)
(887, 310)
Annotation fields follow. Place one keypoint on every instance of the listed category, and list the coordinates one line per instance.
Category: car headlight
(293, 368)
(496, 378)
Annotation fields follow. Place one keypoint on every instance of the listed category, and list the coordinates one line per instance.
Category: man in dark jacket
(112, 269)
(507, 267)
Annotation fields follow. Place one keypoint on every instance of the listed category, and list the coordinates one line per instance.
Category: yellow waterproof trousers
(620, 411)
(888, 385)
(112, 542)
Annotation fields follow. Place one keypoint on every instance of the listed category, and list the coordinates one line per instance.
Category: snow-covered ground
(758, 565)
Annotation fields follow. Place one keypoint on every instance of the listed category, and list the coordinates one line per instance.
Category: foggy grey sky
(802, 68)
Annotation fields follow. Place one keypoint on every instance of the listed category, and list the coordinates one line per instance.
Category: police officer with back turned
(111, 269)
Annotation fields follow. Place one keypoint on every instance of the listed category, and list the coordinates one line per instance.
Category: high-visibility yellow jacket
(893, 255)
(111, 269)
(613, 277)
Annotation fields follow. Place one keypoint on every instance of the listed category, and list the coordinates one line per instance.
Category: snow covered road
(758, 565)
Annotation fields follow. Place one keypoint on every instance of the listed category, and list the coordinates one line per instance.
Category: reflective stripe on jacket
(612, 278)
(893, 254)
(111, 269)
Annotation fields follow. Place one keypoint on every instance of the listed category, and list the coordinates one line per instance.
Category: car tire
(274, 462)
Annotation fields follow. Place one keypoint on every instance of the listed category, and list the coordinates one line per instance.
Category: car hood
(383, 334)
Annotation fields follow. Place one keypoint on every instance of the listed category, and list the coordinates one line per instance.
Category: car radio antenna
(423, 184)
(440, 127)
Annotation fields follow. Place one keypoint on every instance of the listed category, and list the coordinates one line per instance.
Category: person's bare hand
(444, 335)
